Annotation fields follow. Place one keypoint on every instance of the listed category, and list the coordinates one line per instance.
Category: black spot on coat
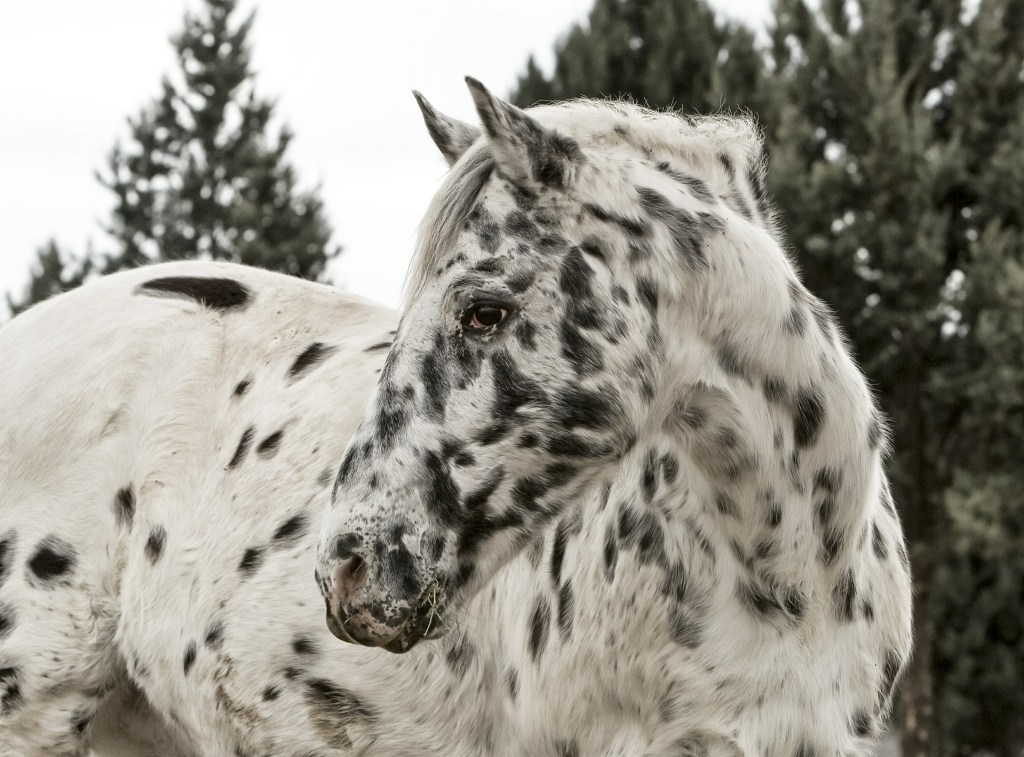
(7, 619)
(269, 446)
(155, 543)
(124, 505)
(540, 619)
(243, 447)
(252, 558)
(214, 635)
(52, 560)
(190, 657)
(290, 531)
(566, 603)
(214, 293)
(7, 544)
(808, 416)
(334, 710)
(309, 358)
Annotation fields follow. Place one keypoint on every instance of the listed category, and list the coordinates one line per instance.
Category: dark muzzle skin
(378, 593)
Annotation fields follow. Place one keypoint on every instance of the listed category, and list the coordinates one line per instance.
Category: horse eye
(483, 317)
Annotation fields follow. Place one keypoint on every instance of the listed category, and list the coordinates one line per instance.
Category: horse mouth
(426, 621)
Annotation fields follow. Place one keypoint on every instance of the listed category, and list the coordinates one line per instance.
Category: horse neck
(775, 428)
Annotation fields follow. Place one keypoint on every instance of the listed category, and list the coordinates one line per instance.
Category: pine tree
(53, 272)
(202, 176)
(663, 53)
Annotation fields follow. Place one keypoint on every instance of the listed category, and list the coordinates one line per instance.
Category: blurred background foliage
(895, 138)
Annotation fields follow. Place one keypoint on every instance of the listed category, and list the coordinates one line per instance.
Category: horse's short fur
(644, 514)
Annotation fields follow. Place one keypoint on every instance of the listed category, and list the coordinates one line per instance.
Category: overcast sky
(71, 72)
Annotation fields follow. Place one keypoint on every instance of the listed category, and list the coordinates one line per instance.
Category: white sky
(71, 72)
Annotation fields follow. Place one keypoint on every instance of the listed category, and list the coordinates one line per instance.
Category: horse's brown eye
(484, 317)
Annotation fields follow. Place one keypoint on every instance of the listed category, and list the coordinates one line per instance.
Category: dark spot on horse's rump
(270, 693)
(214, 635)
(325, 478)
(190, 656)
(304, 645)
(252, 558)
(540, 619)
(809, 415)
(290, 531)
(124, 505)
(269, 446)
(10, 686)
(567, 748)
(52, 559)
(155, 543)
(214, 293)
(7, 544)
(243, 447)
(7, 619)
(314, 354)
(242, 387)
(334, 710)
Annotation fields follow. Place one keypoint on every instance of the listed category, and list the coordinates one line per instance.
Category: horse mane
(705, 142)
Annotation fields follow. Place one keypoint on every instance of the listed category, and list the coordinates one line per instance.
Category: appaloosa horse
(618, 491)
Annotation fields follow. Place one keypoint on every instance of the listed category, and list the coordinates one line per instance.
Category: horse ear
(525, 151)
(451, 136)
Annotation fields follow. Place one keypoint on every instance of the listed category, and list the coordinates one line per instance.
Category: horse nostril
(349, 575)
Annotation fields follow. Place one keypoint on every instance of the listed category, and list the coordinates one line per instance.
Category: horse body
(645, 516)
